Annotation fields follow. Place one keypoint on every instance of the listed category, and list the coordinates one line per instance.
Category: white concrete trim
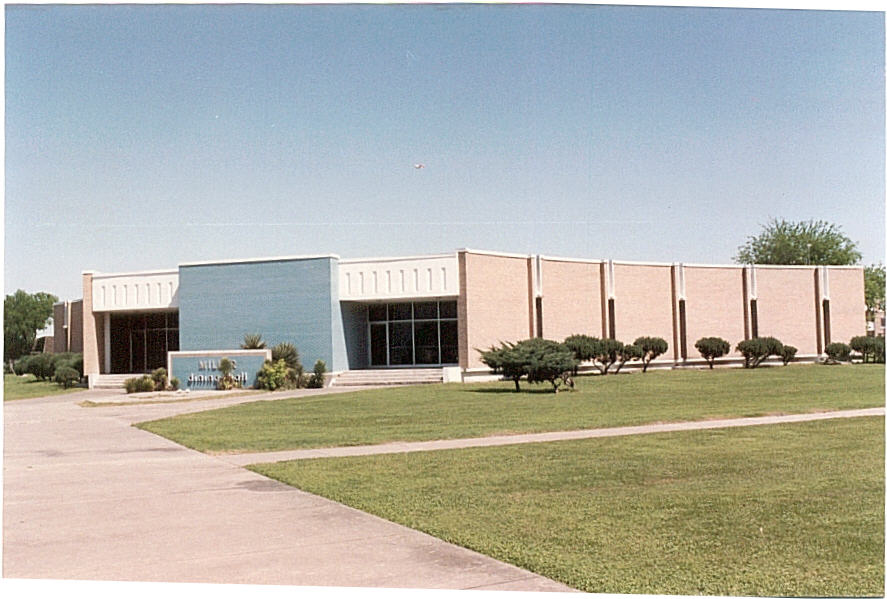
(697, 265)
(134, 273)
(793, 266)
(395, 258)
(263, 259)
(636, 263)
(565, 259)
(490, 253)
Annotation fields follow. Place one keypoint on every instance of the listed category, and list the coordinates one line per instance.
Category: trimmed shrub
(295, 378)
(712, 348)
(865, 346)
(788, 354)
(837, 352)
(286, 352)
(40, 365)
(582, 347)
(651, 348)
(140, 384)
(20, 366)
(69, 359)
(252, 341)
(160, 379)
(317, 377)
(540, 360)
(605, 354)
(878, 355)
(759, 349)
(626, 354)
(66, 376)
(272, 375)
(174, 383)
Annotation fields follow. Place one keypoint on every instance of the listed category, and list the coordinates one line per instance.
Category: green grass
(771, 510)
(27, 387)
(456, 410)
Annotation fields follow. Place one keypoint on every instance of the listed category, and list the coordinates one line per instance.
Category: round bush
(66, 376)
(838, 352)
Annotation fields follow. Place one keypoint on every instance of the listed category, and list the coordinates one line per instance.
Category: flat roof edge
(396, 258)
(264, 259)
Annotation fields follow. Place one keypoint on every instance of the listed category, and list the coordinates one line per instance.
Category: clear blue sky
(138, 137)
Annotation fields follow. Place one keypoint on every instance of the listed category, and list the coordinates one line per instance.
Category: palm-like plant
(252, 341)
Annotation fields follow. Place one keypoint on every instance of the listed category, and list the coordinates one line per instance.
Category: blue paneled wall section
(293, 300)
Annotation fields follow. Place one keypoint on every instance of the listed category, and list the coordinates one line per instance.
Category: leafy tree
(712, 348)
(805, 242)
(252, 341)
(651, 348)
(874, 289)
(41, 366)
(23, 315)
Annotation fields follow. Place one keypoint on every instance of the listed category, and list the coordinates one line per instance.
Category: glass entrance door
(413, 334)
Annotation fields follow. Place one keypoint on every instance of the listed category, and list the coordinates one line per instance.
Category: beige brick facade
(494, 303)
(713, 306)
(643, 305)
(846, 303)
(93, 332)
(571, 299)
(787, 306)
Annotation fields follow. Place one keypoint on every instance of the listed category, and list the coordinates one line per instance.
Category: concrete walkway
(242, 459)
(87, 496)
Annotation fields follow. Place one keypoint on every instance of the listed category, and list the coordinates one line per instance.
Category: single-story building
(436, 311)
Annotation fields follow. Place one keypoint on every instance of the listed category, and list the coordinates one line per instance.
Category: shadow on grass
(536, 391)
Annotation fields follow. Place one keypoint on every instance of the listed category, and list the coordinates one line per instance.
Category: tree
(874, 290)
(605, 354)
(539, 360)
(758, 349)
(626, 354)
(582, 347)
(651, 348)
(805, 242)
(23, 315)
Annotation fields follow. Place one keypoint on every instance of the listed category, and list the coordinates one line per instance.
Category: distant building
(436, 311)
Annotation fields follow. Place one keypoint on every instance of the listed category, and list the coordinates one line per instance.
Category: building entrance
(139, 342)
(413, 334)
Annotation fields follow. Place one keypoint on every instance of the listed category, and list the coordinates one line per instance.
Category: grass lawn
(451, 411)
(26, 387)
(793, 509)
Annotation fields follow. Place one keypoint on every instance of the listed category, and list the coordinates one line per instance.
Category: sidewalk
(243, 459)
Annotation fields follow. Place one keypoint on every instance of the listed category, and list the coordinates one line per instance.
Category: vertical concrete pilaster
(92, 363)
(462, 313)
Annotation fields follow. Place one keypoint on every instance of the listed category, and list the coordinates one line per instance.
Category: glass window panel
(137, 340)
(172, 320)
(378, 345)
(156, 320)
(400, 333)
(449, 333)
(449, 354)
(425, 310)
(156, 349)
(400, 311)
(448, 309)
(378, 312)
(172, 340)
(426, 343)
(401, 356)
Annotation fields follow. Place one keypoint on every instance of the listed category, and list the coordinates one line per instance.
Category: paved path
(87, 496)
(243, 459)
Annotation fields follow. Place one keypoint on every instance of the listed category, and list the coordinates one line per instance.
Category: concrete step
(389, 376)
(112, 381)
